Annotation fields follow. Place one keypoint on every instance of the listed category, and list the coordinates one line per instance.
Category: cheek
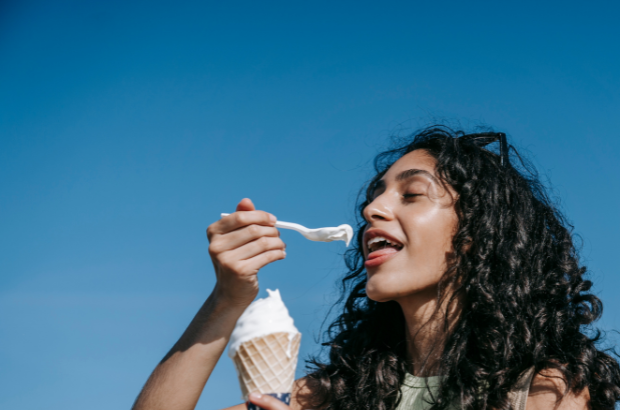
(431, 232)
(430, 245)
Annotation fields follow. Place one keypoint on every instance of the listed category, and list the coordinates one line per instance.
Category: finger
(256, 247)
(245, 204)
(240, 237)
(240, 219)
(267, 402)
(253, 265)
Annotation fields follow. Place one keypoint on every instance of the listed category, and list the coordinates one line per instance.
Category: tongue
(385, 251)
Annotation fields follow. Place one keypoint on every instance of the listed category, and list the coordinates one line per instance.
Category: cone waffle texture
(263, 366)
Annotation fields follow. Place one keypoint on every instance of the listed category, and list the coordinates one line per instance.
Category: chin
(385, 288)
(377, 294)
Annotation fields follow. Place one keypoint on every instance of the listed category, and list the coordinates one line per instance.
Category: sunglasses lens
(485, 138)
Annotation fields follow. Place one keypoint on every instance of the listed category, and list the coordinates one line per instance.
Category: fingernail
(272, 218)
(256, 396)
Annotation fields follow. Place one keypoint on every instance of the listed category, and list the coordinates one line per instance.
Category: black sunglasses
(482, 139)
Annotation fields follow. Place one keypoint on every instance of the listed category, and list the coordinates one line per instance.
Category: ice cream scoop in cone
(264, 347)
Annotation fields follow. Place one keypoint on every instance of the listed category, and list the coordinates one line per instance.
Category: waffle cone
(263, 365)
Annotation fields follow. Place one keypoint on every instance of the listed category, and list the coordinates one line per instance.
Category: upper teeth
(379, 239)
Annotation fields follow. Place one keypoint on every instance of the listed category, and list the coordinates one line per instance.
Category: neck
(426, 331)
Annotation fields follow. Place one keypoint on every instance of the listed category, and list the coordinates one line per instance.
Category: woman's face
(415, 212)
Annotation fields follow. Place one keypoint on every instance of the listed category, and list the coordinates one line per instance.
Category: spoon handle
(290, 225)
(286, 225)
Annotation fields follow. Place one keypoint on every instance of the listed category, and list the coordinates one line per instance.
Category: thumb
(246, 204)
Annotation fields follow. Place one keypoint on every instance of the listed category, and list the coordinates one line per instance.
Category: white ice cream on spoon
(262, 317)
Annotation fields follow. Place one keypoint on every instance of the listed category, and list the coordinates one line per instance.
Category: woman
(464, 290)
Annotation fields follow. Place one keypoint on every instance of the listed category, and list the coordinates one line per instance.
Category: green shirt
(415, 392)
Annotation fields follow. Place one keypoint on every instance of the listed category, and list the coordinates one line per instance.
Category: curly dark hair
(516, 272)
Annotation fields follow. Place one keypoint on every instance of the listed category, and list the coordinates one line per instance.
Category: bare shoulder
(304, 395)
(547, 391)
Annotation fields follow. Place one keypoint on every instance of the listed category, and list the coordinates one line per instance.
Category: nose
(379, 209)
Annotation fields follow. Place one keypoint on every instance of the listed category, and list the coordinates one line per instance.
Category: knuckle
(226, 263)
(254, 230)
(213, 249)
(263, 242)
(244, 269)
(242, 218)
(222, 260)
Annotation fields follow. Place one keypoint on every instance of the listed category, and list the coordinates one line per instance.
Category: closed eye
(410, 195)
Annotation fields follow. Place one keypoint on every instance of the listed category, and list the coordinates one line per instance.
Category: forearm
(178, 380)
(240, 245)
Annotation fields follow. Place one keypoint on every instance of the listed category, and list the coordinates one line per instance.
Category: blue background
(126, 127)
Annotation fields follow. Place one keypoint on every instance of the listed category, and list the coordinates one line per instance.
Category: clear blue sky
(126, 127)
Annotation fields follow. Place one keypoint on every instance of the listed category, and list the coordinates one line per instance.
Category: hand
(240, 245)
(266, 402)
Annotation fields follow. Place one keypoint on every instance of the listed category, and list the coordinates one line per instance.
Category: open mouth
(379, 242)
(381, 249)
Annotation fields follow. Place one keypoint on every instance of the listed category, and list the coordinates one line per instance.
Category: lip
(378, 257)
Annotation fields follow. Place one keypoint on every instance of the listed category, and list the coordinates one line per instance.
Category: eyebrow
(405, 175)
(410, 173)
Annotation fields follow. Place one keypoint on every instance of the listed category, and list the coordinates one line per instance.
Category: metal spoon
(343, 232)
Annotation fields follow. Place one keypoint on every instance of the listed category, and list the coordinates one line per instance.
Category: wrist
(224, 300)
(215, 320)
